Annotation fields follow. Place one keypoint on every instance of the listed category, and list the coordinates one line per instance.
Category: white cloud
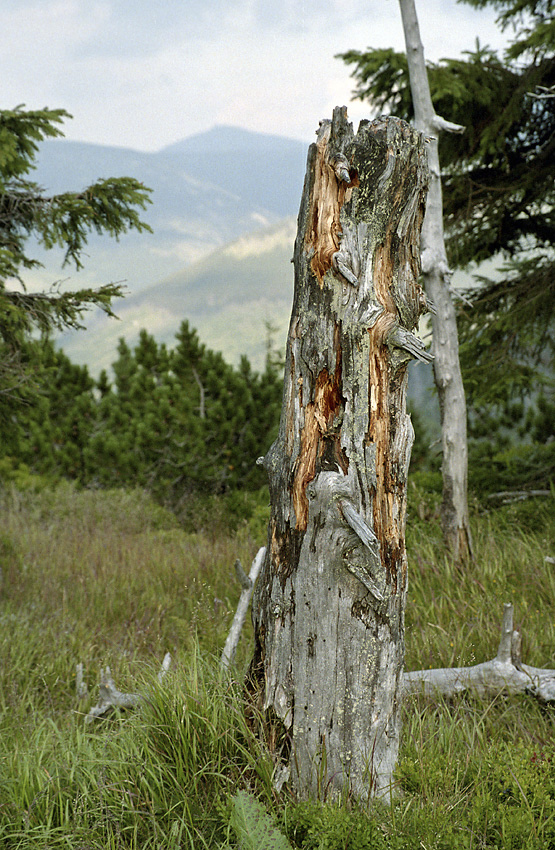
(141, 74)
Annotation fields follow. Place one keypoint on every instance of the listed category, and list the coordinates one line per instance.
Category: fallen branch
(508, 496)
(543, 92)
(247, 582)
(110, 698)
(80, 684)
(505, 672)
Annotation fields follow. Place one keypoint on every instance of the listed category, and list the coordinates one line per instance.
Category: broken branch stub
(328, 608)
(247, 583)
(110, 698)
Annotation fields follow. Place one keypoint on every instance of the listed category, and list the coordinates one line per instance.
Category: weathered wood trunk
(328, 609)
(436, 278)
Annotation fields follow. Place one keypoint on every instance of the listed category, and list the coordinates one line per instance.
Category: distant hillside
(207, 191)
(228, 297)
(246, 164)
(223, 213)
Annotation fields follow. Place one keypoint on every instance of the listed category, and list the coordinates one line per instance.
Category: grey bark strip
(328, 608)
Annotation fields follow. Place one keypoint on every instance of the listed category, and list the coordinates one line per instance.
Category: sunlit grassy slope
(228, 297)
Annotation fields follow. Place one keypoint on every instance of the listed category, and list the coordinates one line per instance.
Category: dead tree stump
(329, 605)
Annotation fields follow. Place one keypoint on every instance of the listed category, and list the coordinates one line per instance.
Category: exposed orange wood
(328, 196)
(319, 418)
(386, 526)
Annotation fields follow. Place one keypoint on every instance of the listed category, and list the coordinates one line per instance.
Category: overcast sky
(146, 73)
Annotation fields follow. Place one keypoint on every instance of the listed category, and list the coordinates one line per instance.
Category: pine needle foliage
(498, 175)
(110, 206)
(181, 422)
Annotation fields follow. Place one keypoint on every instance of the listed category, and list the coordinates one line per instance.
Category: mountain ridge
(228, 296)
(224, 210)
(230, 136)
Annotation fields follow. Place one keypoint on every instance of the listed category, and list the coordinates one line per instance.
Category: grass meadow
(108, 578)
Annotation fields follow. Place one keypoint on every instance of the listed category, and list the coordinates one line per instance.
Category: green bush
(528, 516)
(516, 800)
(226, 513)
(17, 474)
(316, 826)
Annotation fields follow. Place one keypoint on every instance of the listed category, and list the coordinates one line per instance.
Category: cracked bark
(328, 609)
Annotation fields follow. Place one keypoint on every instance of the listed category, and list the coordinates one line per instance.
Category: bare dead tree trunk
(447, 370)
(328, 609)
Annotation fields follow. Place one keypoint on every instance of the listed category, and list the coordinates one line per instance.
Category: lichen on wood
(328, 609)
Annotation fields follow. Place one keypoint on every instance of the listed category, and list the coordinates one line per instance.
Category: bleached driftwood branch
(505, 672)
(110, 697)
(508, 496)
(442, 124)
(543, 92)
(247, 583)
(80, 684)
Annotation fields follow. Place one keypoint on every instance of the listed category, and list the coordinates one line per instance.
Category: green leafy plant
(253, 826)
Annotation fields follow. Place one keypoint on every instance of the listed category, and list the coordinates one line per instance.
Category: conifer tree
(238, 412)
(131, 418)
(111, 206)
(182, 421)
(151, 426)
(49, 430)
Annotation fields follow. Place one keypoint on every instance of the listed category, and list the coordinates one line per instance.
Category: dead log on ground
(505, 672)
